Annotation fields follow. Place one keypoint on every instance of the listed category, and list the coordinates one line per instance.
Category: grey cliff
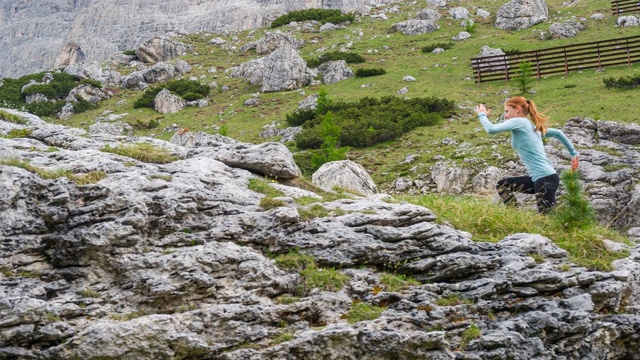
(41, 35)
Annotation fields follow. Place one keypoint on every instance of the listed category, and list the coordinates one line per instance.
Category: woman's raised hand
(482, 109)
(574, 162)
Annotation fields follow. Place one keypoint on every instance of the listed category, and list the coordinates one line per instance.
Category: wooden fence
(561, 59)
(622, 6)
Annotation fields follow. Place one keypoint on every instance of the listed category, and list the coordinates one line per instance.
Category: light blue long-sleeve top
(527, 142)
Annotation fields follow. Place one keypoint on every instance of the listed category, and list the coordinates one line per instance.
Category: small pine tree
(524, 77)
(329, 150)
(323, 102)
(574, 210)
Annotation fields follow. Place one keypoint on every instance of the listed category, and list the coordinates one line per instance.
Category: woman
(526, 140)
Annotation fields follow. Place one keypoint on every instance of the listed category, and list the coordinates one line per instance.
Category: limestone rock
(167, 103)
(344, 174)
(521, 14)
(160, 49)
(334, 71)
(416, 27)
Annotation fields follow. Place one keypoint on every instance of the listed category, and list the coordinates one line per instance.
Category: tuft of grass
(492, 222)
(160, 177)
(270, 203)
(283, 337)
(18, 133)
(361, 311)
(472, 332)
(453, 300)
(396, 283)
(6, 116)
(143, 152)
(261, 185)
(294, 260)
(317, 211)
(323, 279)
(287, 299)
(539, 259)
(89, 293)
(91, 177)
(43, 173)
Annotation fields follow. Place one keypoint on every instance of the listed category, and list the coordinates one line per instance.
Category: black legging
(544, 188)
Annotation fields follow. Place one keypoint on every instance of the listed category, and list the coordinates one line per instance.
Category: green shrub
(187, 89)
(573, 210)
(94, 83)
(330, 148)
(625, 82)
(369, 121)
(299, 117)
(523, 79)
(442, 45)
(321, 15)
(370, 72)
(338, 19)
(350, 58)
(81, 105)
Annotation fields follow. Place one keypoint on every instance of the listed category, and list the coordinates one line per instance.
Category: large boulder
(334, 71)
(160, 49)
(273, 40)
(159, 72)
(285, 70)
(167, 103)
(566, 29)
(416, 27)
(344, 174)
(521, 14)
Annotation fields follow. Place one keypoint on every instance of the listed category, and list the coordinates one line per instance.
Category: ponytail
(540, 120)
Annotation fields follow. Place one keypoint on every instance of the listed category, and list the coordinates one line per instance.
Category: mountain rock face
(172, 261)
(41, 35)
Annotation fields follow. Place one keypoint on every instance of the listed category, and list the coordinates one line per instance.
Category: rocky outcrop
(281, 70)
(416, 27)
(521, 14)
(334, 71)
(167, 103)
(170, 261)
(566, 29)
(344, 174)
(36, 37)
(159, 49)
(159, 72)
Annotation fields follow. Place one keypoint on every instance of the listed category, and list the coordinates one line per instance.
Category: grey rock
(429, 14)
(160, 49)
(459, 12)
(285, 70)
(273, 40)
(628, 21)
(461, 36)
(334, 71)
(416, 27)
(167, 103)
(521, 14)
(344, 174)
(566, 29)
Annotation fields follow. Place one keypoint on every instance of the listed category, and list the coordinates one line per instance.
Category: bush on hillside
(370, 72)
(443, 45)
(12, 96)
(574, 210)
(370, 121)
(625, 82)
(333, 16)
(350, 58)
(187, 89)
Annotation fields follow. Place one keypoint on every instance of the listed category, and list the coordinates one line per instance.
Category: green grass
(313, 276)
(361, 311)
(492, 222)
(268, 203)
(143, 152)
(261, 185)
(397, 283)
(472, 332)
(452, 300)
(12, 118)
(18, 133)
(80, 179)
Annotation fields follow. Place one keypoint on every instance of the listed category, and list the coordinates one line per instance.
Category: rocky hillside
(37, 36)
(182, 260)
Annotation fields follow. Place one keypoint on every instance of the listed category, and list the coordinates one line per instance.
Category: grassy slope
(579, 94)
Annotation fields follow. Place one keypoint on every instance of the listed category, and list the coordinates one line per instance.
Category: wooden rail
(561, 59)
(622, 6)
